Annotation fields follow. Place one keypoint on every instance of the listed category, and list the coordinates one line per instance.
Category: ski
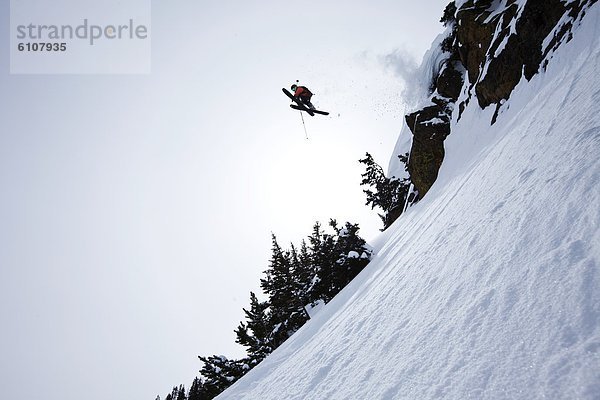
(295, 107)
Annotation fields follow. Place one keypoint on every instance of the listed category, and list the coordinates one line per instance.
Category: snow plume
(402, 64)
(417, 78)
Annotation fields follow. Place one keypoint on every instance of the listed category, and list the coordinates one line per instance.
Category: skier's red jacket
(303, 92)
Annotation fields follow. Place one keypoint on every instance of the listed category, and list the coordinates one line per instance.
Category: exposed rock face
(493, 44)
(450, 80)
(431, 125)
(499, 44)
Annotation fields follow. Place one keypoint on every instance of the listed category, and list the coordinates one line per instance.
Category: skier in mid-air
(303, 94)
(300, 95)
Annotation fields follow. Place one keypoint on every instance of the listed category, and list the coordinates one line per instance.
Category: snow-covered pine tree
(320, 248)
(220, 373)
(352, 252)
(449, 19)
(286, 314)
(303, 271)
(317, 272)
(254, 335)
(389, 194)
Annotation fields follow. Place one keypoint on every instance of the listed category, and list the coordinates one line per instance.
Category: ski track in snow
(489, 287)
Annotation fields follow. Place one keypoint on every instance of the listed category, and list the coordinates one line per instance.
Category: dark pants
(306, 101)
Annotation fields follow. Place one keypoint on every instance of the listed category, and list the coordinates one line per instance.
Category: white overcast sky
(136, 210)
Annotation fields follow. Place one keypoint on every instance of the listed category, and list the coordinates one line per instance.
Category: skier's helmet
(294, 87)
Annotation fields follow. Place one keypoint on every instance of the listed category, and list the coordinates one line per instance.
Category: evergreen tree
(449, 19)
(322, 266)
(174, 393)
(303, 271)
(352, 254)
(337, 259)
(197, 391)
(389, 194)
(220, 373)
(255, 333)
(286, 314)
(321, 249)
(181, 395)
(449, 15)
(306, 272)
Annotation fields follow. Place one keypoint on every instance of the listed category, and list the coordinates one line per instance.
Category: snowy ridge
(488, 288)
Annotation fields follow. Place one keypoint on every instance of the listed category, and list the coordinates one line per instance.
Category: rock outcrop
(431, 124)
(491, 45)
(501, 43)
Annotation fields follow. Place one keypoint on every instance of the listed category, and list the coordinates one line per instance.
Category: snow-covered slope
(489, 288)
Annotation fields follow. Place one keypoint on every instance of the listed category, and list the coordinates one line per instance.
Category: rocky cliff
(490, 46)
